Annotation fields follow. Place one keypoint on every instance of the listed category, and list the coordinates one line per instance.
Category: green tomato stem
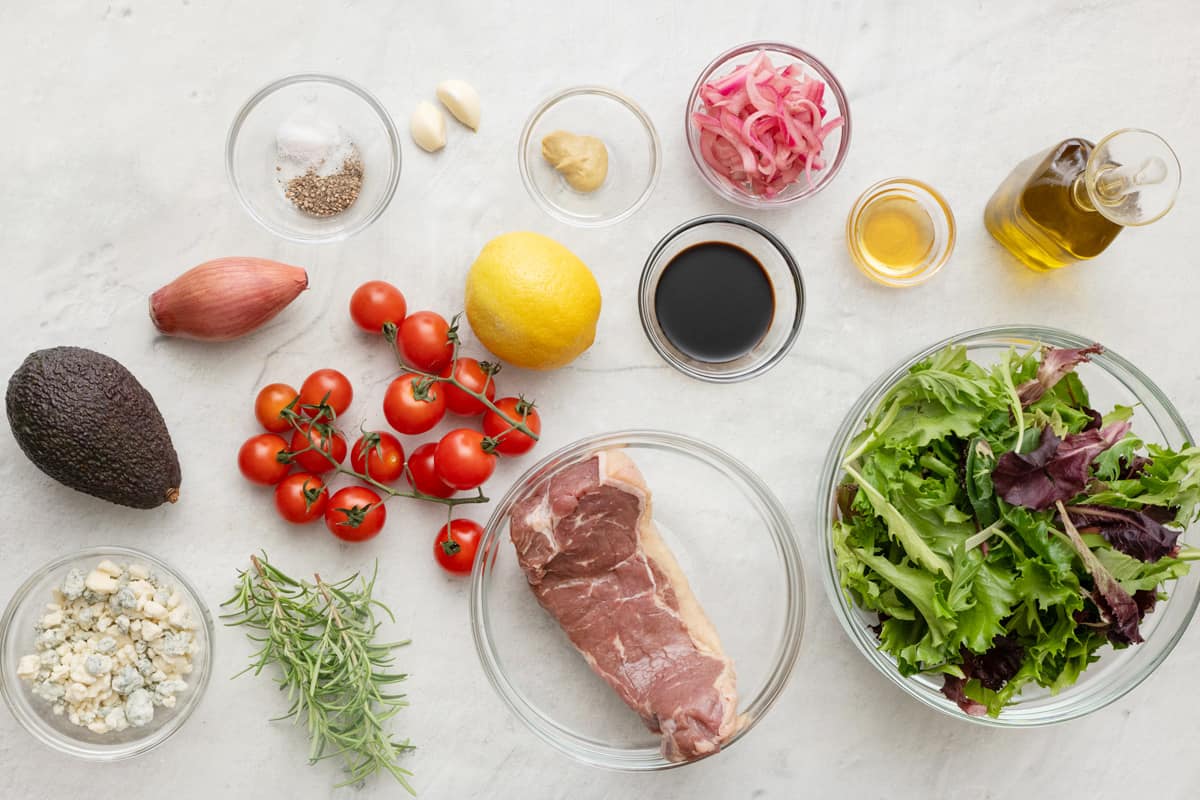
(518, 425)
(413, 494)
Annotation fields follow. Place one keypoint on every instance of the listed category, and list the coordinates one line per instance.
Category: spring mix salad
(1002, 529)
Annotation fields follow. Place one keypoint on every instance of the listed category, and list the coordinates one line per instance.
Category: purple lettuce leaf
(1119, 612)
(992, 669)
(1134, 467)
(1056, 362)
(1146, 599)
(1075, 455)
(954, 688)
(1057, 470)
(1132, 532)
(997, 666)
(1022, 480)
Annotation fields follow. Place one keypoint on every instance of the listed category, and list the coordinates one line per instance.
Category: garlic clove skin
(461, 100)
(428, 127)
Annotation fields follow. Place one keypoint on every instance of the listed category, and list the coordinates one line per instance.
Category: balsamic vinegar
(714, 302)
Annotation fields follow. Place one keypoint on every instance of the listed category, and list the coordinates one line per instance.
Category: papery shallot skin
(225, 298)
(595, 561)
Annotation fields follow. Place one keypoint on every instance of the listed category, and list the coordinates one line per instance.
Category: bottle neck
(1080, 196)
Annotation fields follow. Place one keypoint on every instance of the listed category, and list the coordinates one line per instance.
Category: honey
(895, 234)
(900, 232)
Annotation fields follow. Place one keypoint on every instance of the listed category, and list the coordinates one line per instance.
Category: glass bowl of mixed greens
(1005, 522)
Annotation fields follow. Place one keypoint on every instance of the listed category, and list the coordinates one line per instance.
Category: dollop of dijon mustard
(581, 160)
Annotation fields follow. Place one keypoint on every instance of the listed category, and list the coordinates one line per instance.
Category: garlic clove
(428, 127)
(461, 100)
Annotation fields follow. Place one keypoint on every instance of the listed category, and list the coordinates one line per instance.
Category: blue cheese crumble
(112, 647)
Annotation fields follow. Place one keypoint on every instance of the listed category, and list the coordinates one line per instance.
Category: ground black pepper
(326, 195)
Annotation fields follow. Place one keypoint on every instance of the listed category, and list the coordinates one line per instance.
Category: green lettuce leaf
(968, 586)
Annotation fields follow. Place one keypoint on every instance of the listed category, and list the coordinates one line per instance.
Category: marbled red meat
(594, 560)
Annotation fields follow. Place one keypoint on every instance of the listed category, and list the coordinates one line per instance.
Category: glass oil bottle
(1069, 203)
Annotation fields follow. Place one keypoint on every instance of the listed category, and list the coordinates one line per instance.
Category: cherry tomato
(408, 414)
(331, 442)
(469, 373)
(460, 460)
(378, 455)
(375, 303)
(456, 544)
(258, 459)
(355, 514)
(328, 386)
(301, 497)
(271, 401)
(509, 440)
(424, 343)
(422, 474)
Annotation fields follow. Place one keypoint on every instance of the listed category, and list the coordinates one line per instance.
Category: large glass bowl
(1110, 379)
(834, 149)
(17, 634)
(732, 540)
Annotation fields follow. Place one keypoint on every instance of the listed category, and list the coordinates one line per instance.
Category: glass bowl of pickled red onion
(767, 125)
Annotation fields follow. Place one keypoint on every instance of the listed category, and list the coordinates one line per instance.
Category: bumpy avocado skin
(85, 421)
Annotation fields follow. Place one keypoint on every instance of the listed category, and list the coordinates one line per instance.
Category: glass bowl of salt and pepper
(313, 158)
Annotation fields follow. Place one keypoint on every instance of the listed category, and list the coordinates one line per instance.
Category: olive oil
(1068, 203)
(1036, 215)
(895, 235)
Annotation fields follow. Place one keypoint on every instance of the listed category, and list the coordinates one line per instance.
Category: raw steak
(595, 561)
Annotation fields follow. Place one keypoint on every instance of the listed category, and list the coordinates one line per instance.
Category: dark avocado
(85, 421)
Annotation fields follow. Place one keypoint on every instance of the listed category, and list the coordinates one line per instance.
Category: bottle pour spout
(1132, 177)
(1113, 183)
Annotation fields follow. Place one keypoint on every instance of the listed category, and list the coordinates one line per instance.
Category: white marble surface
(111, 133)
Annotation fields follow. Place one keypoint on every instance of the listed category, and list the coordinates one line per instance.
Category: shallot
(761, 127)
(225, 298)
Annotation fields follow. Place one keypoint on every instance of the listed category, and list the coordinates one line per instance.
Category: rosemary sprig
(337, 678)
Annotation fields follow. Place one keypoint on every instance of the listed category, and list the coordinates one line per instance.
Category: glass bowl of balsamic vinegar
(721, 299)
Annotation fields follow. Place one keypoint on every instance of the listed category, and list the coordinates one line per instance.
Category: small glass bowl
(836, 144)
(634, 156)
(17, 634)
(700, 493)
(250, 155)
(927, 200)
(1110, 379)
(786, 281)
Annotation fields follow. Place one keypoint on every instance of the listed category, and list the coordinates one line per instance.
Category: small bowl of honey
(900, 232)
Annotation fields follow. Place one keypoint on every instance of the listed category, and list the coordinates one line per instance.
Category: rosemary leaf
(338, 680)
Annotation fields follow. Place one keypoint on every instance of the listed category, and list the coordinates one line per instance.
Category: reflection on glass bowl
(733, 541)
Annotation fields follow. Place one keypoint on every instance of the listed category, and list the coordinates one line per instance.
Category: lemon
(531, 301)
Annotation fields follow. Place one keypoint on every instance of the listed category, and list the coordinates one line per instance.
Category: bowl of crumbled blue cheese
(105, 653)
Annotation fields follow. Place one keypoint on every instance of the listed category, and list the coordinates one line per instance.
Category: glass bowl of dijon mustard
(589, 156)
